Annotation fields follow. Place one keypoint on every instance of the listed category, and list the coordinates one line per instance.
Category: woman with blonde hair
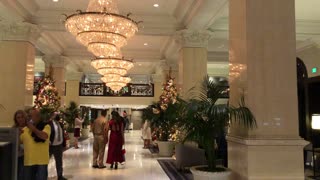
(20, 121)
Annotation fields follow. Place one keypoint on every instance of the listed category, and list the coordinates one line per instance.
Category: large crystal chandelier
(104, 31)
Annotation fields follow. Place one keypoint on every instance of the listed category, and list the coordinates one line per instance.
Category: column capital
(193, 38)
(56, 61)
(19, 31)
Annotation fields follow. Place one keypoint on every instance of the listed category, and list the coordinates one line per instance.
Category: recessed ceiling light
(139, 64)
(146, 44)
(55, 0)
(156, 5)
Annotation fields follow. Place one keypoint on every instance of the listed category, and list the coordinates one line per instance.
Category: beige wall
(72, 92)
(136, 119)
(16, 78)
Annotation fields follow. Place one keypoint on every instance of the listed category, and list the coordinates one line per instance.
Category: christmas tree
(169, 93)
(165, 112)
(47, 98)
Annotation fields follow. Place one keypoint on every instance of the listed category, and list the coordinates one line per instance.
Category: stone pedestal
(263, 69)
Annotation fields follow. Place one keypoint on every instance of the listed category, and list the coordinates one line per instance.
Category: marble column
(58, 64)
(263, 69)
(72, 88)
(17, 49)
(157, 81)
(193, 58)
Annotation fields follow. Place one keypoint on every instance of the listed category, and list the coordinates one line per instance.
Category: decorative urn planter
(71, 138)
(85, 132)
(205, 175)
(166, 148)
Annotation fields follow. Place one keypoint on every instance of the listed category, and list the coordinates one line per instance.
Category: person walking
(146, 134)
(56, 144)
(20, 121)
(35, 138)
(116, 140)
(99, 140)
(77, 127)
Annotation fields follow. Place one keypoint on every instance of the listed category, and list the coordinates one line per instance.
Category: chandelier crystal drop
(107, 63)
(115, 82)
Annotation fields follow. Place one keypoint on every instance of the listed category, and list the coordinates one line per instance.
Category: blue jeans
(36, 172)
(20, 168)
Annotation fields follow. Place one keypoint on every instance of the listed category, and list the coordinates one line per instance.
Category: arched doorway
(302, 80)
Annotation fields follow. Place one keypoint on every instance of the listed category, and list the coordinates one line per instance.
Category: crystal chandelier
(104, 31)
(101, 25)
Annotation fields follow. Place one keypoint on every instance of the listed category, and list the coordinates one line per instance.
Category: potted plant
(204, 120)
(85, 125)
(70, 115)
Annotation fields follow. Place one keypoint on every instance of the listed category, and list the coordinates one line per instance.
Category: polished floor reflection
(140, 163)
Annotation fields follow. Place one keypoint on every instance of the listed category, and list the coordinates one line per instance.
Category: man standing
(56, 144)
(99, 144)
(35, 138)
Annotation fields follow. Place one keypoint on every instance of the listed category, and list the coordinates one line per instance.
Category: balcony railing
(131, 90)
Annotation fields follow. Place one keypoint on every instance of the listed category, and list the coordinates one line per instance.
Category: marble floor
(140, 163)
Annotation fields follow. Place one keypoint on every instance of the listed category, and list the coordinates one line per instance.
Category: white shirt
(78, 123)
(57, 129)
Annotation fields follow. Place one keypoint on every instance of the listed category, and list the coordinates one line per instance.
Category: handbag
(123, 151)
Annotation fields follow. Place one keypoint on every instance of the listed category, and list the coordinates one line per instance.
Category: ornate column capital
(193, 38)
(21, 31)
(56, 61)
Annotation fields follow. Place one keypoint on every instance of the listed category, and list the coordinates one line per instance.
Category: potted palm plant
(70, 115)
(204, 120)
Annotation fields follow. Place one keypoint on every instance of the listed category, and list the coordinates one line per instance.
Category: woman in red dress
(116, 140)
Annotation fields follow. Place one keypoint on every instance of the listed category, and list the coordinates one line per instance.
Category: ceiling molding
(186, 10)
(48, 45)
(21, 9)
(208, 13)
(301, 46)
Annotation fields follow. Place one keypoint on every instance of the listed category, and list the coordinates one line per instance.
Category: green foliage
(164, 121)
(204, 119)
(70, 115)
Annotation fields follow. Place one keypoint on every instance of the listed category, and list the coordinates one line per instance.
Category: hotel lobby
(145, 59)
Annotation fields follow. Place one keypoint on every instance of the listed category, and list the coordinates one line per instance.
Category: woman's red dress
(115, 142)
